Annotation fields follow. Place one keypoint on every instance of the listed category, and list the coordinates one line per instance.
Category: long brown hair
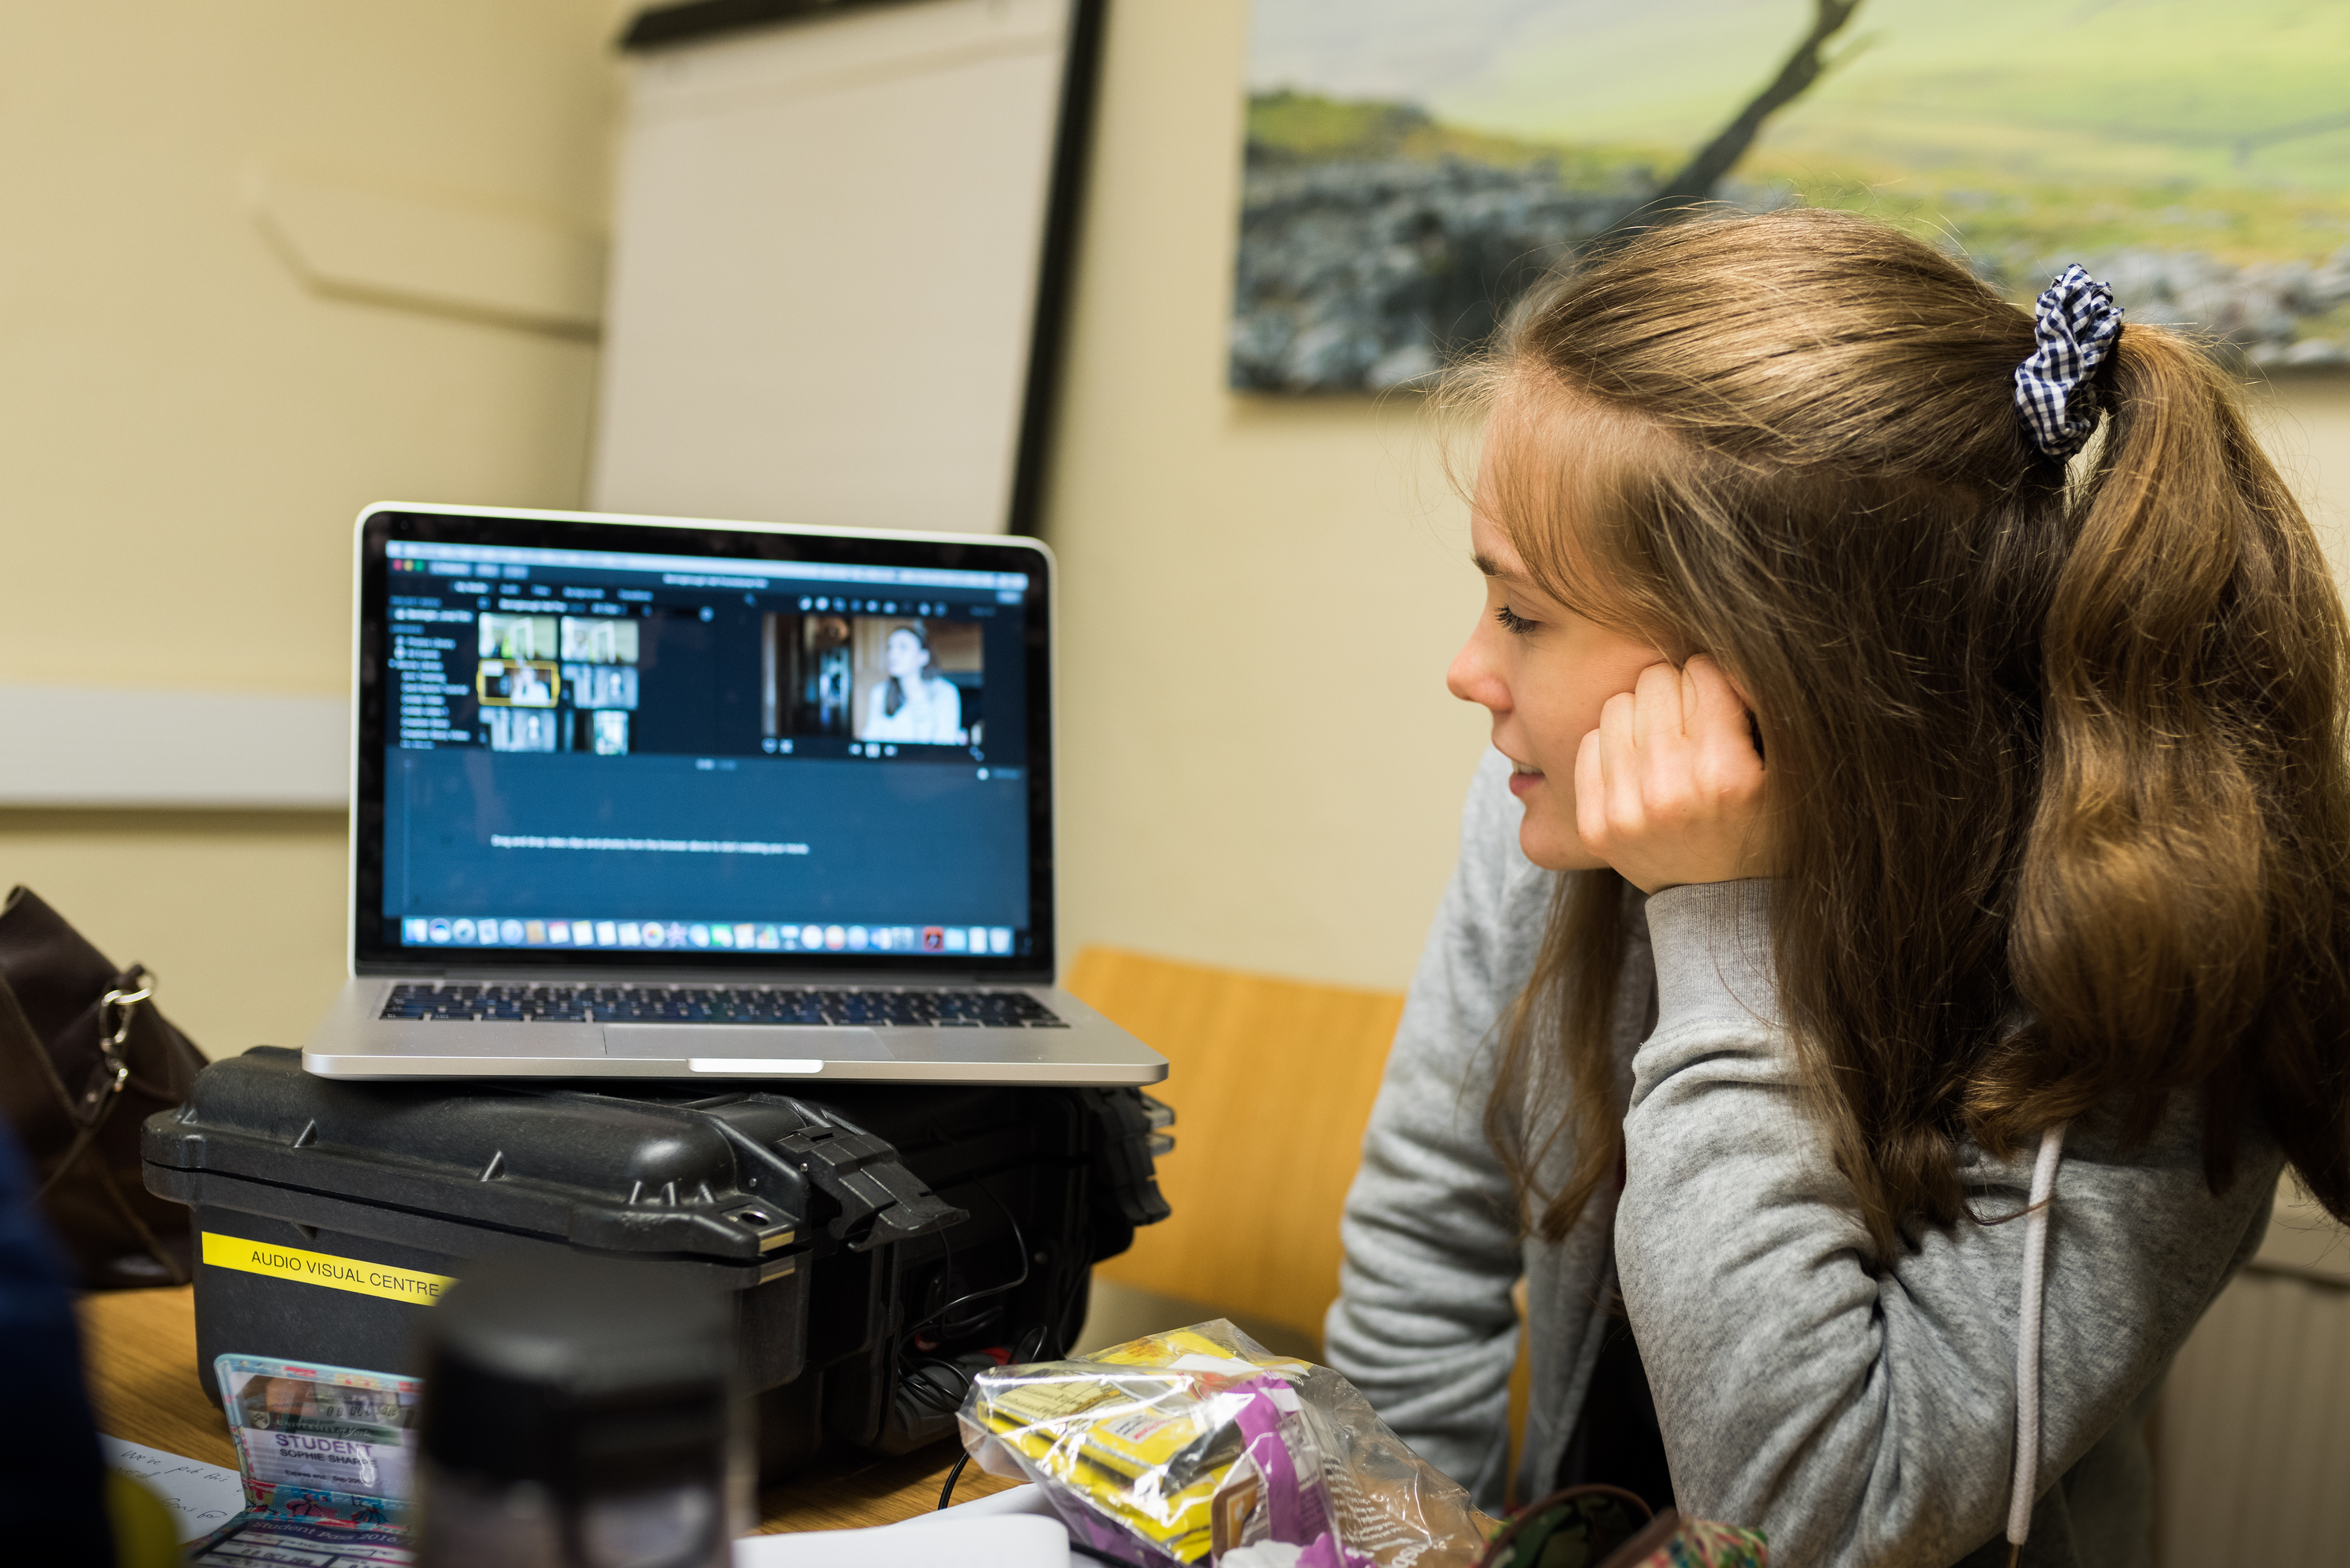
(2056, 769)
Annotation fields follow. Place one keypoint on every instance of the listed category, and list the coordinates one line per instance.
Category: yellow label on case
(322, 1269)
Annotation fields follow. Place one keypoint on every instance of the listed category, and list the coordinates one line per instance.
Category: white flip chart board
(833, 230)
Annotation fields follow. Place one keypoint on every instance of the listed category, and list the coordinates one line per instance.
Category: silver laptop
(657, 798)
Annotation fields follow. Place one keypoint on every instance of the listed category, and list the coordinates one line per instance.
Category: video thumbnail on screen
(557, 683)
(910, 680)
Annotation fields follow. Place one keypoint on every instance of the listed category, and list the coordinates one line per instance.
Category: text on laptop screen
(602, 750)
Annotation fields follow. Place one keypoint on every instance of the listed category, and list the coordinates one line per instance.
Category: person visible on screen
(1889, 819)
(915, 703)
(528, 688)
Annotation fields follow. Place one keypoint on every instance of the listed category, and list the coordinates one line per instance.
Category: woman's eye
(1512, 621)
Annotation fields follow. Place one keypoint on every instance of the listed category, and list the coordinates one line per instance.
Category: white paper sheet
(202, 1497)
(1026, 1499)
(1011, 1529)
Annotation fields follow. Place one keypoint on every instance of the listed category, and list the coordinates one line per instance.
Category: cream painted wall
(2305, 422)
(1261, 767)
(186, 433)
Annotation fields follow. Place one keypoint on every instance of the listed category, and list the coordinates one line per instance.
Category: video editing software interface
(681, 753)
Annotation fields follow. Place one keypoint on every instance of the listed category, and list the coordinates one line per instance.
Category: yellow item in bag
(1178, 1447)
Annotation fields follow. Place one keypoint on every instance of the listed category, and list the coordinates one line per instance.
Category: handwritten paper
(202, 1497)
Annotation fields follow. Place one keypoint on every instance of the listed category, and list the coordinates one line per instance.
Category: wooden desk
(141, 1348)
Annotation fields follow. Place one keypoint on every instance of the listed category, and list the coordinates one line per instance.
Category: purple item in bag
(1273, 1491)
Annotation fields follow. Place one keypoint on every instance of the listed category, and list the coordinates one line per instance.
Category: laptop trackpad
(748, 1042)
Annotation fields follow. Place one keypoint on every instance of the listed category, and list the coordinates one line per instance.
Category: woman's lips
(1523, 778)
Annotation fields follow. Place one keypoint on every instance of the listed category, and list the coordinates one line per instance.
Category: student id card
(326, 1443)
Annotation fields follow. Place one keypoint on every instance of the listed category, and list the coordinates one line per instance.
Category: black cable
(946, 1492)
(1066, 1331)
(1019, 1239)
(927, 1386)
(937, 1385)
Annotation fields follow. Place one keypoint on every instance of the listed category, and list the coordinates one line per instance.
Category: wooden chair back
(1271, 1083)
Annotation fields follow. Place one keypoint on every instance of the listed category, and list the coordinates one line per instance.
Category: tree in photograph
(1696, 180)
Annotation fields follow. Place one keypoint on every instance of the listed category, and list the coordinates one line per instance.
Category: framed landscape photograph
(1412, 167)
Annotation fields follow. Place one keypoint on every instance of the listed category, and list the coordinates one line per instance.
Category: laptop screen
(590, 742)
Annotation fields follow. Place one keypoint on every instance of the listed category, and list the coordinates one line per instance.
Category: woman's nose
(1474, 679)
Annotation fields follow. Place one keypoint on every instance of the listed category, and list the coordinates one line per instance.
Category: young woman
(916, 702)
(1876, 818)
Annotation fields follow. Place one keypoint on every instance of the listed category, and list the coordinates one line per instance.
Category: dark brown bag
(84, 1058)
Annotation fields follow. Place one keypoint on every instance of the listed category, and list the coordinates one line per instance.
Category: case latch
(881, 1200)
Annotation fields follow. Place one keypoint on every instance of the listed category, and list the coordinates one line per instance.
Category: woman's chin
(1552, 852)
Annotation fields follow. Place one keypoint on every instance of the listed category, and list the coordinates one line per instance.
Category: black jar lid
(582, 1375)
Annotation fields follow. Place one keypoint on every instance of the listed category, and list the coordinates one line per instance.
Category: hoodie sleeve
(1862, 1413)
(1423, 1323)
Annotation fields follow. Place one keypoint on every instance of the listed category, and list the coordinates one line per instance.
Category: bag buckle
(114, 1013)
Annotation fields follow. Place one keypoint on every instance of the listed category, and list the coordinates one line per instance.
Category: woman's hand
(1668, 788)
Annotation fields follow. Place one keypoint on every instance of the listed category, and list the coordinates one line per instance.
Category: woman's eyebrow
(1492, 568)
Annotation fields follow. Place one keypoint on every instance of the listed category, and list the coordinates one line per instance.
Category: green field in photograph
(1411, 169)
(2021, 130)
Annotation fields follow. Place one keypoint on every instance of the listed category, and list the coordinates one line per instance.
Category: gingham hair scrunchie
(2076, 324)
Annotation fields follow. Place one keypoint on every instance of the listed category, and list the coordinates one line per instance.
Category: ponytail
(2180, 911)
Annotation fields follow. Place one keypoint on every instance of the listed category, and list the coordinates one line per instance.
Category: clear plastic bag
(1181, 1448)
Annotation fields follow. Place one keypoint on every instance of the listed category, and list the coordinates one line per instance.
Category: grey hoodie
(1857, 1414)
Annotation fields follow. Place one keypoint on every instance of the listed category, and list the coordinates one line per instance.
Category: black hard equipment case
(879, 1241)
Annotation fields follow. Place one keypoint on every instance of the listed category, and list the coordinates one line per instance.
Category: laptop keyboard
(721, 1004)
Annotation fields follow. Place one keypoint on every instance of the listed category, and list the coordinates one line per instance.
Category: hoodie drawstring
(2027, 1341)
